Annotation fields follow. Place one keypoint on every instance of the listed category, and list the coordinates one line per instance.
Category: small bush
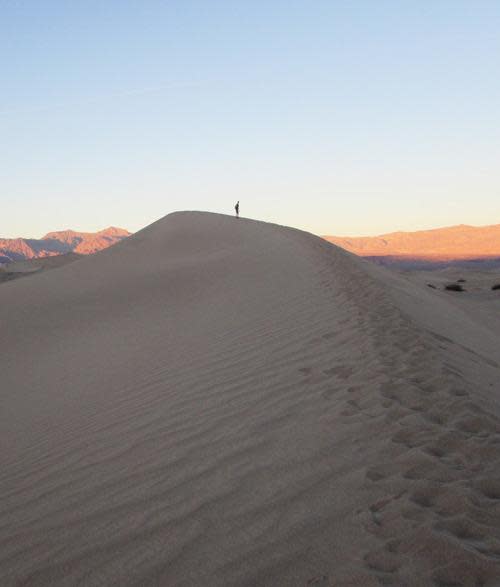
(461, 280)
(496, 286)
(454, 287)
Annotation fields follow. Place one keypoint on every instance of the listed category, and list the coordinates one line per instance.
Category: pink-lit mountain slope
(59, 243)
(454, 245)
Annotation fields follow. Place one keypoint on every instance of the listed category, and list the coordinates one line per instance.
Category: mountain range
(461, 245)
(59, 243)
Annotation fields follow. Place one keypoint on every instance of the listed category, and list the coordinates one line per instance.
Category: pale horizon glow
(343, 119)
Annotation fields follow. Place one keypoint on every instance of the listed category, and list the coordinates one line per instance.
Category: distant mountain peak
(115, 231)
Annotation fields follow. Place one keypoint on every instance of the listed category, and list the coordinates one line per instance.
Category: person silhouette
(237, 208)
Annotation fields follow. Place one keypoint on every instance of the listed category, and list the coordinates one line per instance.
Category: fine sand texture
(217, 401)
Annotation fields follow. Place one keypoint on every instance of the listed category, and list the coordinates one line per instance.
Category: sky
(338, 117)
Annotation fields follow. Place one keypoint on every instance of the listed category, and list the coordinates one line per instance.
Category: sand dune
(226, 402)
(29, 267)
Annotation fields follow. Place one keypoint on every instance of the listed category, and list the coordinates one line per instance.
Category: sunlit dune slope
(216, 401)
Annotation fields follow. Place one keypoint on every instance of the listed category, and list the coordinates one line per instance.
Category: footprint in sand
(340, 371)
(329, 393)
(353, 408)
(425, 497)
(490, 488)
(380, 472)
(409, 438)
(319, 581)
(382, 561)
(330, 335)
(480, 426)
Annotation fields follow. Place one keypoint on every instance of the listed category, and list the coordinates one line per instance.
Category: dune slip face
(219, 401)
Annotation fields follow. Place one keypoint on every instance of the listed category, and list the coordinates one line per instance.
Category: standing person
(237, 208)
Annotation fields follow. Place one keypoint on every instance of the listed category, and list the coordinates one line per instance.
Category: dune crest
(220, 401)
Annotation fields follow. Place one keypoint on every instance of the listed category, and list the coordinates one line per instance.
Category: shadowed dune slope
(217, 401)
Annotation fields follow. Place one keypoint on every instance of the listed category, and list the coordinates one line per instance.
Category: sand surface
(222, 402)
(29, 267)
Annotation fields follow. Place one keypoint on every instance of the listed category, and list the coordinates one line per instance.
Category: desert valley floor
(224, 402)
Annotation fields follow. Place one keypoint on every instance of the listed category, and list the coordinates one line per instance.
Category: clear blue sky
(339, 117)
